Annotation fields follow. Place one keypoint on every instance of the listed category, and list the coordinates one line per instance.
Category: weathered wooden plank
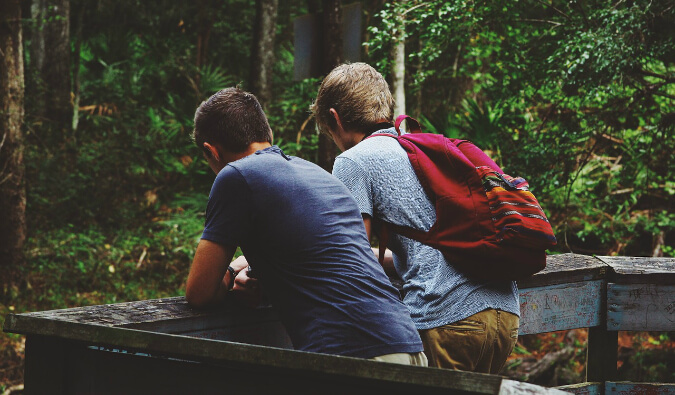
(511, 387)
(641, 307)
(121, 314)
(169, 315)
(99, 371)
(566, 268)
(108, 372)
(643, 270)
(560, 307)
(584, 388)
(627, 388)
(262, 358)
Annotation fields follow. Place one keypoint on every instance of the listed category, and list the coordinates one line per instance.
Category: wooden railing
(606, 295)
(165, 346)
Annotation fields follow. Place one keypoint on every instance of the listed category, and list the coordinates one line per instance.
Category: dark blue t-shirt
(302, 233)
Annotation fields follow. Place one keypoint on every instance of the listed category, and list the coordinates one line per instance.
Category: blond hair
(358, 93)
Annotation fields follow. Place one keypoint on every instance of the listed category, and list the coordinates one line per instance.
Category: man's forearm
(388, 263)
(207, 280)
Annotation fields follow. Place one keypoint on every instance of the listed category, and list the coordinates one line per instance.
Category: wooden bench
(164, 346)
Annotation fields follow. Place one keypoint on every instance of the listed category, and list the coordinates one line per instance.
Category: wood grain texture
(583, 388)
(168, 315)
(640, 307)
(566, 268)
(511, 387)
(122, 314)
(560, 307)
(647, 270)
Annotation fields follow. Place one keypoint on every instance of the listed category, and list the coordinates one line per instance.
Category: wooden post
(45, 365)
(602, 355)
(602, 349)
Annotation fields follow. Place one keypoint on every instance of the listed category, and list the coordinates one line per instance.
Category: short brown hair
(232, 118)
(358, 93)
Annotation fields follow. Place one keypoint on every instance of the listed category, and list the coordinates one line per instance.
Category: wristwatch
(233, 274)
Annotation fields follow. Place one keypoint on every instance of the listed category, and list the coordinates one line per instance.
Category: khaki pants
(479, 343)
(414, 359)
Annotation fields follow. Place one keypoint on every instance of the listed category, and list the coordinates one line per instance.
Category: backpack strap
(475, 155)
(415, 127)
(413, 124)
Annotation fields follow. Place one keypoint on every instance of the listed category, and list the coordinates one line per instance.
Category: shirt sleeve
(356, 179)
(228, 213)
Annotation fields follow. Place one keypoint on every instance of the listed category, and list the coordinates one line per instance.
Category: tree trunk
(262, 59)
(76, 68)
(34, 81)
(332, 56)
(205, 18)
(58, 104)
(398, 65)
(12, 186)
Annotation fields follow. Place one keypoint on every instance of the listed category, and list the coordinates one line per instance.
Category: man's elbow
(196, 299)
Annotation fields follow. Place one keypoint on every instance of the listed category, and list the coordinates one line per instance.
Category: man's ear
(211, 151)
(335, 115)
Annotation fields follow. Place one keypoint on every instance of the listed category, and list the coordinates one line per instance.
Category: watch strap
(233, 274)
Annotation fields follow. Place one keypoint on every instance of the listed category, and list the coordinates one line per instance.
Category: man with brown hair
(464, 324)
(301, 232)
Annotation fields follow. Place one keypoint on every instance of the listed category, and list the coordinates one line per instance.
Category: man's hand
(239, 264)
(247, 289)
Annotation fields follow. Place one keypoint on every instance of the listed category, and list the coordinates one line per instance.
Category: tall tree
(398, 63)
(205, 17)
(76, 65)
(262, 54)
(52, 60)
(332, 56)
(34, 83)
(12, 186)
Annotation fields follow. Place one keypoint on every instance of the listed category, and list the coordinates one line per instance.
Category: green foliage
(578, 97)
(75, 266)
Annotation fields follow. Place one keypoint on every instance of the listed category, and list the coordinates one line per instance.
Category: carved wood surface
(640, 307)
(566, 268)
(583, 388)
(560, 307)
(640, 269)
(121, 314)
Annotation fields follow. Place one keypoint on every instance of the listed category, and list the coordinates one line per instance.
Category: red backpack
(488, 224)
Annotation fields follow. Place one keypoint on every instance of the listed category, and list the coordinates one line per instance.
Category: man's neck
(227, 157)
(253, 148)
(353, 139)
(359, 136)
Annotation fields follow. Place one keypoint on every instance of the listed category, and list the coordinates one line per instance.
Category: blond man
(464, 324)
